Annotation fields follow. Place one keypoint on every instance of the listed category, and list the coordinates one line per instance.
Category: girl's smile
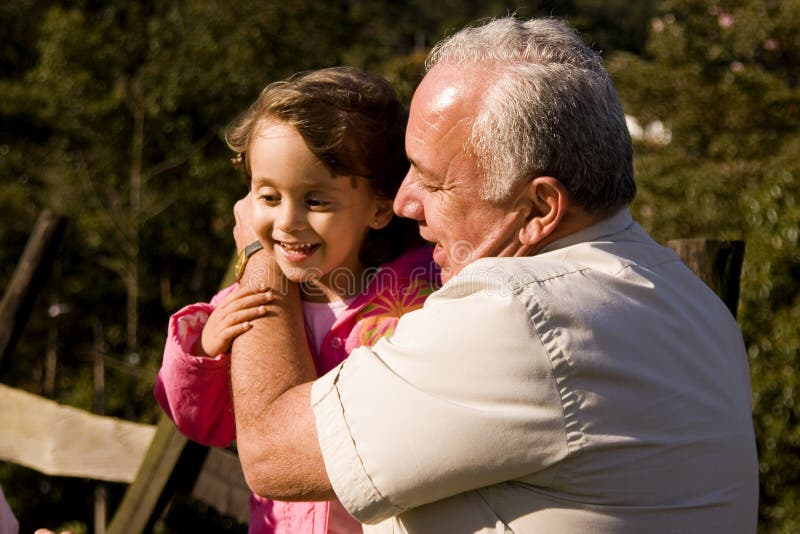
(296, 252)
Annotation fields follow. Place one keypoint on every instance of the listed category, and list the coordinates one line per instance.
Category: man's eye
(425, 182)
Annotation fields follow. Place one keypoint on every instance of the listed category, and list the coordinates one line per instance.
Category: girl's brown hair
(353, 122)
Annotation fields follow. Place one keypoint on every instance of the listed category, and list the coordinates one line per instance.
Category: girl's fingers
(227, 335)
(236, 330)
(248, 301)
(247, 314)
(245, 299)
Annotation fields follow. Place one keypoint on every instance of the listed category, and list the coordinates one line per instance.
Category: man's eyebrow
(422, 171)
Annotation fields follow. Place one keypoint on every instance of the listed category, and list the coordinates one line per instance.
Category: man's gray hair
(551, 110)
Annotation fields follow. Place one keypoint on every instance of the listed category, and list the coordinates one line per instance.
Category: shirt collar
(614, 224)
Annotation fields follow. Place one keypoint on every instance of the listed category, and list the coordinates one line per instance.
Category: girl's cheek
(262, 224)
(323, 223)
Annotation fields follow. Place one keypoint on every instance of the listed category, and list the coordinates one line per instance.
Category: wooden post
(172, 463)
(28, 278)
(100, 493)
(717, 263)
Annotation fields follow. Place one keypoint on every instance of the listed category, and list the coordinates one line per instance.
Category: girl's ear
(382, 215)
(547, 202)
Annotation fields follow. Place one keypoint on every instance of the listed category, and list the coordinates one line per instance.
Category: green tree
(723, 77)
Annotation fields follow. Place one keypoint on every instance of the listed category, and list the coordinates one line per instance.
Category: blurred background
(113, 114)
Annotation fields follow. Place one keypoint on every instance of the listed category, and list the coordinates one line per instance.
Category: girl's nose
(291, 217)
(407, 202)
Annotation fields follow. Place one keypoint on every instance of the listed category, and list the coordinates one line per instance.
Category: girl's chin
(299, 275)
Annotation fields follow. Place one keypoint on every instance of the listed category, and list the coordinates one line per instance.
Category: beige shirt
(598, 387)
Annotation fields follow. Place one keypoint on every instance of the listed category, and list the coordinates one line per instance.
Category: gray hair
(551, 109)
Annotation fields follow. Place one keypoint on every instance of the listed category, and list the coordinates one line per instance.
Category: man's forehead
(442, 111)
(442, 100)
(442, 88)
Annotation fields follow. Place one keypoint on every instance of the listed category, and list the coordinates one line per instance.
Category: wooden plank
(718, 263)
(61, 440)
(29, 276)
(107, 448)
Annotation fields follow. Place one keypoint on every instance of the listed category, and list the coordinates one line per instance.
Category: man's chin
(439, 255)
(446, 272)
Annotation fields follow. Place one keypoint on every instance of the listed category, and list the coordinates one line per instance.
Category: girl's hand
(229, 320)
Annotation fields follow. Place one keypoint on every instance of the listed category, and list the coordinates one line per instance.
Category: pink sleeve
(193, 390)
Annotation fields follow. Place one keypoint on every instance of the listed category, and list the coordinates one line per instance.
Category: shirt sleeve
(461, 397)
(194, 390)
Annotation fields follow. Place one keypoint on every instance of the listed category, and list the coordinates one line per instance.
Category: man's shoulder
(590, 264)
(520, 269)
(517, 272)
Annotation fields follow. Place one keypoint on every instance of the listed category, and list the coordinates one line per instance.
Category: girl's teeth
(303, 247)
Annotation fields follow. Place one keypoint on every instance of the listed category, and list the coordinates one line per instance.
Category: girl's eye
(317, 203)
(270, 199)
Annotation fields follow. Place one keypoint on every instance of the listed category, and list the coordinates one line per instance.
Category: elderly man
(570, 376)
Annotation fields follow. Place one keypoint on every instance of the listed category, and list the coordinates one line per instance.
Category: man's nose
(407, 202)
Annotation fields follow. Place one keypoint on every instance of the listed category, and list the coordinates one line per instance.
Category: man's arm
(271, 375)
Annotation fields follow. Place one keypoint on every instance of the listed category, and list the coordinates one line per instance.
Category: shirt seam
(522, 284)
(568, 397)
(665, 261)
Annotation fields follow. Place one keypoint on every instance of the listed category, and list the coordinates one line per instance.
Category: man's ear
(547, 200)
(382, 215)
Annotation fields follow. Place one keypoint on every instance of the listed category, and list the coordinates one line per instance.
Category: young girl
(324, 154)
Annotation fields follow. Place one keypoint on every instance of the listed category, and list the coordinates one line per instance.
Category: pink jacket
(194, 391)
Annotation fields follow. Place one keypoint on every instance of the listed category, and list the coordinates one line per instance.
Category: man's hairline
(487, 82)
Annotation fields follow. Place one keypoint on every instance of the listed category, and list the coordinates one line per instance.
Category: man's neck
(575, 220)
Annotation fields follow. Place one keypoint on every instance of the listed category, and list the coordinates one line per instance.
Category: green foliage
(723, 77)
